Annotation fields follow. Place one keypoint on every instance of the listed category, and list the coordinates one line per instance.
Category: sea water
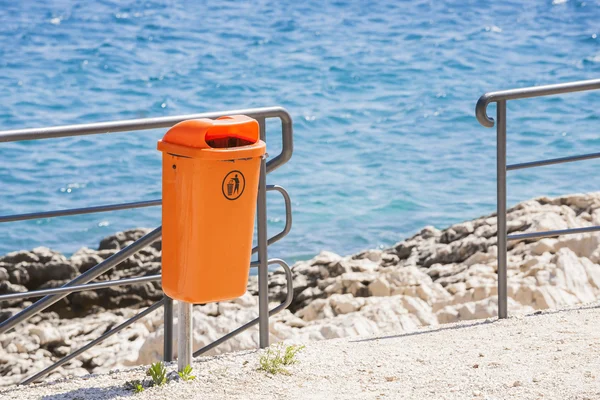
(382, 95)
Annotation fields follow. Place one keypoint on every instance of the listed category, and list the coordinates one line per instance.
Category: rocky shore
(434, 277)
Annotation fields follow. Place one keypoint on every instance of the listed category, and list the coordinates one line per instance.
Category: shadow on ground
(563, 310)
(86, 393)
(110, 392)
(425, 332)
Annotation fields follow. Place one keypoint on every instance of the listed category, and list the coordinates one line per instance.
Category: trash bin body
(211, 172)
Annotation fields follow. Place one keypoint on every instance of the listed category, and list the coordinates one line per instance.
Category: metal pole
(263, 268)
(80, 288)
(184, 341)
(135, 125)
(262, 124)
(168, 329)
(80, 211)
(525, 93)
(501, 212)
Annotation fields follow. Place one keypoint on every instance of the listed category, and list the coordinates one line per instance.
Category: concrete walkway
(552, 355)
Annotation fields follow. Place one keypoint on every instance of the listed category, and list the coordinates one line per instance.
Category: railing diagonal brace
(545, 234)
(91, 344)
(86, 277)
(288, 300)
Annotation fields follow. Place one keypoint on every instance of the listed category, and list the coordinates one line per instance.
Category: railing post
(501, 204)
(168, 329)
(263, 268)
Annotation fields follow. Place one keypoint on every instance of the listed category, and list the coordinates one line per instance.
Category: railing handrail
(500, 98)
(529, 92)
(159, 122)
(128, 125)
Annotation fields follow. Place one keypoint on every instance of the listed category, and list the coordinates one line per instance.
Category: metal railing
(500, 98)
(81, 282)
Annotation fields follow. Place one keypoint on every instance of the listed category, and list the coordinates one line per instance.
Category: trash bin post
(184, 341)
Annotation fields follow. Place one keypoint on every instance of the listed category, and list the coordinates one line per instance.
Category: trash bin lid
(235, 136)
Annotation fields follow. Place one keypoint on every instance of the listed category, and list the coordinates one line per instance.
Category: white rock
(575, 275)
(345, 303)
(325, 257)
(47, 335)
(356, 288)
(479, 258)
(544, 245)
(593, 272)
(582, 245)
(420, 309)
(447, 315)
(548, 222)
(379, 287)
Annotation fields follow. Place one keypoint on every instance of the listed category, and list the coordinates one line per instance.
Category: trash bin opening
(228, 142)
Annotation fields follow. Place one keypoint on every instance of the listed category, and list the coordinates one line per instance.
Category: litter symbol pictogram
(233, 185)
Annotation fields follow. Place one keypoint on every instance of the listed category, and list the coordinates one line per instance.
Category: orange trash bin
(210, 179)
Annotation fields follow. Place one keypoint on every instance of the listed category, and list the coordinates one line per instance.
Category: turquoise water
(382, 96)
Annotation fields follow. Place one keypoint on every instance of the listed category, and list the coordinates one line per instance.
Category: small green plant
(158, 373)
(186, 374)
(289, 356)
(275, 358)
(158, 377)
(135, 385)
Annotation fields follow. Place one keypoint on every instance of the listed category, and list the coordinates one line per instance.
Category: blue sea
(382, 94)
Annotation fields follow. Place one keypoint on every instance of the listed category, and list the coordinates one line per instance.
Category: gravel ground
(551, 355)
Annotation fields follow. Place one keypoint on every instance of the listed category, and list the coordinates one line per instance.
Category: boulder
(122, 239)
(17, 257)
